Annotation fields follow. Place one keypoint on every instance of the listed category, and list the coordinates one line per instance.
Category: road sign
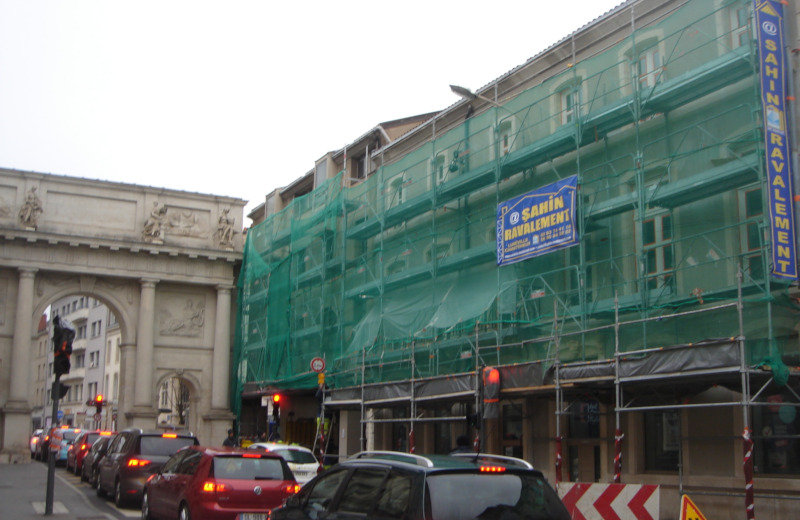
(60, 414)
(318, 364)
(623, 501)
(689, 511)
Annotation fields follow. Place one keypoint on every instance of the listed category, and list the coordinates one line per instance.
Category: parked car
(394, 485)
(218, 484)
(77, 451)
(96, 452)
(60, 440)
(303, 463)
(133, 456)
(34, 442)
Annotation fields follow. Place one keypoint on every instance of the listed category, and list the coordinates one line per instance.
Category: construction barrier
(590, 501)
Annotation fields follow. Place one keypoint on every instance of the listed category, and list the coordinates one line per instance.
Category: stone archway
(163, 261)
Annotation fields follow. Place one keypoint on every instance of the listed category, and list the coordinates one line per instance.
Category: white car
(301, 460)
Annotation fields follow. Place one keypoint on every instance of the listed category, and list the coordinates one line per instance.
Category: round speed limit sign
(318, 364)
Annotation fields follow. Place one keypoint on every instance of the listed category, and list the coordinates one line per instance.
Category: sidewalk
(23, 489)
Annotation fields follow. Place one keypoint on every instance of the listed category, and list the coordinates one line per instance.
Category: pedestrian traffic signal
(63, 334)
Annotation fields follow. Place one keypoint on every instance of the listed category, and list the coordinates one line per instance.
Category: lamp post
(470, 96)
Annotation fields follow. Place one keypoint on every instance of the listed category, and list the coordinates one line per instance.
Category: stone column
(220, 367)
(126, 385)
(143, 390)
(16, 412)
(23, 330)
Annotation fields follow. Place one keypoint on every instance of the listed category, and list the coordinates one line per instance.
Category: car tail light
(35, 440)
(291, 489)
(212, 486)
(251, 455)
(170, 435)
(492, 469)
(133, 463)
(84, 446)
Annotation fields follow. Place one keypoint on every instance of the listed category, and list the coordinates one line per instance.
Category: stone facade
(163, 261)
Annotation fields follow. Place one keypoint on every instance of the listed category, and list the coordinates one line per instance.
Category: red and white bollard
(748, 474)
(558, 458)
(618, 436)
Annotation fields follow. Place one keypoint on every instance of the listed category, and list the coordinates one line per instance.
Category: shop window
(658, 252)
(740, 20)
(776, 430)
(661, 441)
(584, 420)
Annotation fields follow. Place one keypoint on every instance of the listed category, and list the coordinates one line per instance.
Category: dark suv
(401, 486)
(132, 456)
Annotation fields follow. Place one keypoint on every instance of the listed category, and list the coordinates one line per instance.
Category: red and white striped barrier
(610, 501)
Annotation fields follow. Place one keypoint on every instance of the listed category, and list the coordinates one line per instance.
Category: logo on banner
(772, 72)
(537, 222)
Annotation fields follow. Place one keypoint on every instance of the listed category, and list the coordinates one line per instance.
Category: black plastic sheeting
(677, 361)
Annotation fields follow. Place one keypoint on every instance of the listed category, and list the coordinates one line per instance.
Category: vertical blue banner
(772, 65)
(538, 222)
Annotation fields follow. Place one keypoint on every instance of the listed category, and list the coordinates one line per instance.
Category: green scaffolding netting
(663, 130)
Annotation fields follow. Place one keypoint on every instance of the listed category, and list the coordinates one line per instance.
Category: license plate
(252, 516)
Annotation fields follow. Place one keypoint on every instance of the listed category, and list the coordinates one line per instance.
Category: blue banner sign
(772, 65)
(538, 222)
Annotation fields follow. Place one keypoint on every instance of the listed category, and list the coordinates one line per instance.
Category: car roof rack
(514, 461)
(418, 460)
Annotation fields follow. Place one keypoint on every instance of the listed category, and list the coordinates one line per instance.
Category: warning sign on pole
(689, 511)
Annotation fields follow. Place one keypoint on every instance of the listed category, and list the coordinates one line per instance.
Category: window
(776, 428)
(658, 253)
(79, 360)
(650, 67)
(74, 305)
(505, 134)
(359, 167)
(396, 190)
(751, 207)
(394, 500)
(570, 105)
(321, 495)
(661, 440)
(116, 386)
(584, 420)
(740, 22)
(438, 169)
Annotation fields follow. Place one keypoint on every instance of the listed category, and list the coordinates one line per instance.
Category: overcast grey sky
(238, 97)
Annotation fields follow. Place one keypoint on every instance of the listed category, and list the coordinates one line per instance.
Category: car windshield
(69, 435)
(510, 496)
(91, 437)
(246, 468)
(296, 456)
(163, 446)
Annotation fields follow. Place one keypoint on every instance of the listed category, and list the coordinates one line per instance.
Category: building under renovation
(641, 307)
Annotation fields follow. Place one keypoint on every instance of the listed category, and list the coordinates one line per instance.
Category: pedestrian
(230, 441)
(262, 436)
(462, 445)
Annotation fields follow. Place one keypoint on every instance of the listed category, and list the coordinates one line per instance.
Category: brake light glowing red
(251, 455)
(211, 486)
(84, 446)
(133, 463)
(105, 433)
(492, 469)
(170, 435)
(291, 488)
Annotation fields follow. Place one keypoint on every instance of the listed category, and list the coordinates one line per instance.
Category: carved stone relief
(181, 316)
(225, 230)
(186, 223)
(5, 208)
(31, 209)
(153, 230)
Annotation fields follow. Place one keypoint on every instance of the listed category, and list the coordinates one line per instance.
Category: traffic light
(98, 403)
(63, 334)
(276, 408)
(491, 393)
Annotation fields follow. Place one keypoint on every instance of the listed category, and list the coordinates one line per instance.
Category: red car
(78, 449)
(218, 484)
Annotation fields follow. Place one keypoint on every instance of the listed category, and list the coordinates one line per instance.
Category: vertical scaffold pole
(362, 441)
(618, 435)
(747, 435)
(412, 448)
(559, 396)
(477, 443)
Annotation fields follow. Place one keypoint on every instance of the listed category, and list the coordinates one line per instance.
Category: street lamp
(470, 96)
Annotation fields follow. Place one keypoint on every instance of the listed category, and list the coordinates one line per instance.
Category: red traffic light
(99, 398)
(276, 398)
